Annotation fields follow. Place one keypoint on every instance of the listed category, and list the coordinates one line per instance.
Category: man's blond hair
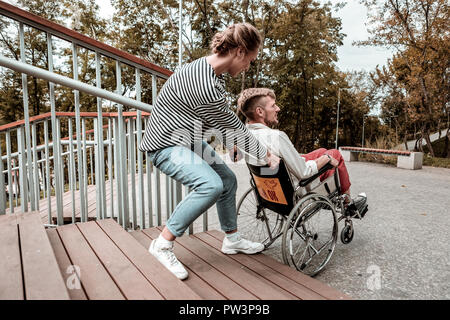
(250, 98)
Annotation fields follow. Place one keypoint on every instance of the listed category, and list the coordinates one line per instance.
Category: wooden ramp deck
(99, 260)
(214, 275)
(29, 269)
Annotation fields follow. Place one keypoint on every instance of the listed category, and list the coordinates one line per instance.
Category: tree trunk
(428, 140)
(447, 143)
(420, 143)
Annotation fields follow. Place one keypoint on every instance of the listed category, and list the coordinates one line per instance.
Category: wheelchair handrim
(273, 234)
(290, 227)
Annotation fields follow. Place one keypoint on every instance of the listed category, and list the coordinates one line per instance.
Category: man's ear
(259, 111)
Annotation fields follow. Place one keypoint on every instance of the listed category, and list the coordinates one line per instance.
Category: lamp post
(180, 44)
(364, 120)
(362, 139)
(337, 122)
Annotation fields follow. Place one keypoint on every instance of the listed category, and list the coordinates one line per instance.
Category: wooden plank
(311, 283)
(73, 283)
(11, 282)
(262, 270)
(246, 278)
(95, 280)
(42, 278)
(167, 284)
(219, 281)
(197, 284)
(127, 277)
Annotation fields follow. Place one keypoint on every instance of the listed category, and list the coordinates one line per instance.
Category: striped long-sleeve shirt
(190, 107)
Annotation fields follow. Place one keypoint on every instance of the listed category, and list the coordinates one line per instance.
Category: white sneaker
(165, 255)
(243, 245)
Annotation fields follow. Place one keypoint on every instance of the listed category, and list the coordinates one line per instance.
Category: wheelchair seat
(274, 186)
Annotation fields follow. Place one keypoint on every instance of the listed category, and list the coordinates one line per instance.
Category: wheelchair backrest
(273, 187)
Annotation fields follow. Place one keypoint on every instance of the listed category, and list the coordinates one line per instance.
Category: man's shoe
(242, 245)
(357, 204)
(165, 255)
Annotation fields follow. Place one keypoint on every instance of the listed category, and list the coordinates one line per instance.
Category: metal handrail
(62, 32)
(71, 83)
(46, 168)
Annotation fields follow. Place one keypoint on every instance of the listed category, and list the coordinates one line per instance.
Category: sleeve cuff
(313, 165)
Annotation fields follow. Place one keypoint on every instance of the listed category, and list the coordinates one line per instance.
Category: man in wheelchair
(289, 202)
(259, 106)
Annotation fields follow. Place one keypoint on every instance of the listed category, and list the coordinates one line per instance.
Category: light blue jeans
(210, 180)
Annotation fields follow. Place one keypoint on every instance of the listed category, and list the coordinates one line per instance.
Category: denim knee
(212, 188)
(230, 182)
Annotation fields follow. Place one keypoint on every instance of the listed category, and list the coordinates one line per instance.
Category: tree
(419, 31)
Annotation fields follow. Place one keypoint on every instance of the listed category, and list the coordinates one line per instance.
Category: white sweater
(280, 145)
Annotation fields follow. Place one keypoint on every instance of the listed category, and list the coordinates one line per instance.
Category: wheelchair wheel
(255, 223)
(310, 234)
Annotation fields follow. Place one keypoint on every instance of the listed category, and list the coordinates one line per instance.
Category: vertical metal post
(27, 123)
(42, 173)
(82, 190)
(59, 146)
(149, 169)
(169, 200)
(2, 186)
(47, 172)
(140, 198)
(110, 168)
(56, 157)
(98, 202)
(72, 176)
(10, 185)
(157, 172)
(122, 151)
(100, 150)
(85, 174)
(205, 221)
(118, 174)
(90, 153)
(132, 166)
(36, 190)
(22, 170)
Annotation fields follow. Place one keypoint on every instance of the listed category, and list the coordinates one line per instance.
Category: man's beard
(271, 123)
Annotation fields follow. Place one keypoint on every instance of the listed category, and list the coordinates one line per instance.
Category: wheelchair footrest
(360, 205)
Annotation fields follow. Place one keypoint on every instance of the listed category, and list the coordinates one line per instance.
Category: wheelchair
(305, 217)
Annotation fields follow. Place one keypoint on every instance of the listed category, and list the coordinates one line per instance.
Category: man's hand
(272, 160)
(334, 162)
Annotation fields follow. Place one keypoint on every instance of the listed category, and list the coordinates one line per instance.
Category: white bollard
(348, 155)
(413, 161)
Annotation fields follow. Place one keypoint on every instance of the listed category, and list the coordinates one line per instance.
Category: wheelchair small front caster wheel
(347, 234)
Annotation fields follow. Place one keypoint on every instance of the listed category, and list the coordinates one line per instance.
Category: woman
(191, 103)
